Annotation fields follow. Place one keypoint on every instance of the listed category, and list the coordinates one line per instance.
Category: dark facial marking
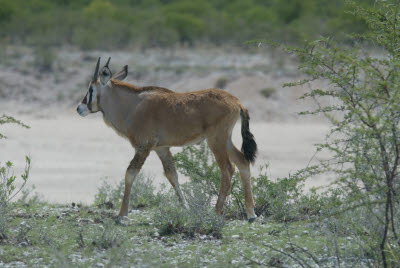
(90, 95)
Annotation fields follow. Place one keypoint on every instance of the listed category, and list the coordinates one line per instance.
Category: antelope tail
(249, 145)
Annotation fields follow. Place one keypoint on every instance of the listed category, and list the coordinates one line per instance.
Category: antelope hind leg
(168, 163)
(244, 169)
(221, 156)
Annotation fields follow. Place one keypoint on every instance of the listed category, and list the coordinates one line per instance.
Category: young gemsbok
(156, 118)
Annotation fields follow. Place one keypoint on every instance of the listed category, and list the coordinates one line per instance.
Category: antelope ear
(105, 75)
(121, 75)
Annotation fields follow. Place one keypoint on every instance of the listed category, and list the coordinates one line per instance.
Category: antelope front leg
(130, 175)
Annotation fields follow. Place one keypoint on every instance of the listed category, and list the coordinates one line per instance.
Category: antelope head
(90, 103)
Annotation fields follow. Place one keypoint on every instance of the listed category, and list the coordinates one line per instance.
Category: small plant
(170, 216)
(142, 194)
(202, 217)
(29, 196)
(22, 236)
(221, 82)
(268, 92)
(8, 189)
(278, 199)
(108, 237)
(197, 216)
(198, 163)
(44, 58)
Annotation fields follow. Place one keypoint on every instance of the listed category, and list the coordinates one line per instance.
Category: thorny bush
(364, 110)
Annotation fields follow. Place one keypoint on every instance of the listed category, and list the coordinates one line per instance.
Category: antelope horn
(96, 71)
(108, 61)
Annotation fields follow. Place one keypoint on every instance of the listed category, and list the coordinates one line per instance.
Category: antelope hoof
(251, 220)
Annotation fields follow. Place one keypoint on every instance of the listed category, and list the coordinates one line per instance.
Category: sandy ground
(71, 155)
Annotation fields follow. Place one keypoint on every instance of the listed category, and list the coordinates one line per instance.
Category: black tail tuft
(249, 145)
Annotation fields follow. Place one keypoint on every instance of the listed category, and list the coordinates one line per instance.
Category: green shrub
(99, 9)
(142, 194)
(96, 34)
(8, 191)
(8, 188)
(157, 36)
(282, 200)
(198, 163)
(193, 7)
(170, 216)
(7, 10)
(268, 92)
(188, 27)
(196, 216)
(277, 199)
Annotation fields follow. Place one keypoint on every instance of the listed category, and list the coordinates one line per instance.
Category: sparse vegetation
(105, 237)
(354, 222)
(44, 58)
(221, 83)
(56, 234)
(68, 235)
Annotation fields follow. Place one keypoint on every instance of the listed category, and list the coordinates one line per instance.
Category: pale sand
(71, 155)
